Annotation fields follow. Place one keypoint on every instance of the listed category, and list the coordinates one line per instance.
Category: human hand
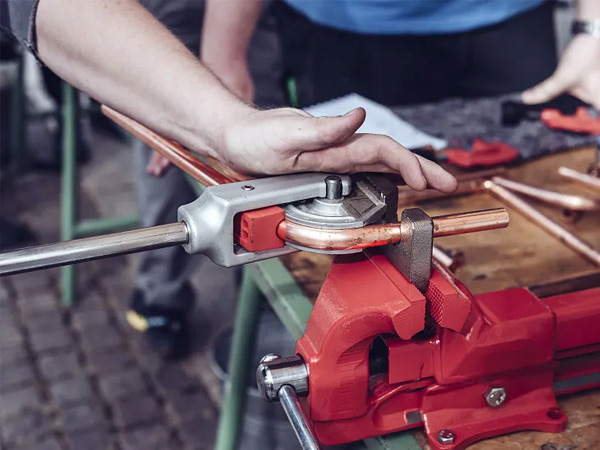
(234, 74)
(578, 73)
(157, 165)
(289, 140)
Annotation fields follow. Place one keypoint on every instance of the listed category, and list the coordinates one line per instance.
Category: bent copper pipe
(583, 179)
(171, 150)
(547, 224)
(390, 233)
(572, 202)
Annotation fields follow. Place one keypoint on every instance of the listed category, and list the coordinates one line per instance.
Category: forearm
(118, 53)
(588, 10)
(228, 28)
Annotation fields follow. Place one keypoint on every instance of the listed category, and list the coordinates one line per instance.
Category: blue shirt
(410, 16)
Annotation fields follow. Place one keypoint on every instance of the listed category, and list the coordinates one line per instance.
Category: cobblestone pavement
(80, 378)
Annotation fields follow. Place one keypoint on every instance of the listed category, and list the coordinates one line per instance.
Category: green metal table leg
(91, 227)
(17, 119)
(68, 203)
(239, 359)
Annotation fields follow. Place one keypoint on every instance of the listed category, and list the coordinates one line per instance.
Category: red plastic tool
(580, 122)
(482, 154)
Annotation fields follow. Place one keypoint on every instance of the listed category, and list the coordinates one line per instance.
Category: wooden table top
(521, 255)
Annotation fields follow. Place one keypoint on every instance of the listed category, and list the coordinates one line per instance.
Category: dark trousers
(405, 69)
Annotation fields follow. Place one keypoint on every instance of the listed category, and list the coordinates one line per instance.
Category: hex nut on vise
(446, 437)
(273, 372)
(495, 396)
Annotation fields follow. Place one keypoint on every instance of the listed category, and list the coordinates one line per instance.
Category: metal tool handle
(297, 417)
(86, 249)
(283, 379)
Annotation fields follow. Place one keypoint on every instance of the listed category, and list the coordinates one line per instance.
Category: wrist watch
(591, 27)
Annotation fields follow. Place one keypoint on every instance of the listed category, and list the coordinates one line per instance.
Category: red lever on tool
(482, 153)
(580, 122)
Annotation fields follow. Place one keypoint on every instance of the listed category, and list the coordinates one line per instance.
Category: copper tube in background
(571, 202)
(568, 238)
(583, 179)
(468, 183)
(410, 197)
(169, 149)
(383, 234)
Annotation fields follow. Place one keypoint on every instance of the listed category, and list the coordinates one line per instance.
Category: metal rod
(297, 417)
(169, 149)
(377, 235)
(569, 239)
(86, 249)
(580, 178)
(571, 202)
(442, 257)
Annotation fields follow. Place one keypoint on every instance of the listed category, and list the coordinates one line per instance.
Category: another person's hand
(288, 140)
(234, 74)
(578, 73)
(157, 165)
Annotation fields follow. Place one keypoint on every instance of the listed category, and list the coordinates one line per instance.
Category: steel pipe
(568, 238)
(86, 249)
(378, 235)
(583, 179)
(571, 202)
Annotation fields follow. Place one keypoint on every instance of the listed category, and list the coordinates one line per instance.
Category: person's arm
(118, 53)
(578, 70)
(121, 55)
(226, 34)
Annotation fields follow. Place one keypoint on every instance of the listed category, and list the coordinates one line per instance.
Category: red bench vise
(393, 344)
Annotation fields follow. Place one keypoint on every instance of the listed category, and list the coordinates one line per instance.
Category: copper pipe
(568, 238)
(468, 183)
(572, 202)
(377, 235)
(171, 150)
(580, 178)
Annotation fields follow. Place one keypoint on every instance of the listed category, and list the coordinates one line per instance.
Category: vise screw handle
(284, 379)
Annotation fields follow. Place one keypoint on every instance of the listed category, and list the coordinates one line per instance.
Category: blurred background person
(161, 303)
(410, 51)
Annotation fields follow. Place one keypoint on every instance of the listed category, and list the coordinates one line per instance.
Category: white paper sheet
(380, 120)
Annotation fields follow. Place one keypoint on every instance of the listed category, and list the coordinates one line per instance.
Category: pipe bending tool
(243, 222)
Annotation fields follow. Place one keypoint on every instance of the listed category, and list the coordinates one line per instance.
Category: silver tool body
(205, 225)
(210, 218)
